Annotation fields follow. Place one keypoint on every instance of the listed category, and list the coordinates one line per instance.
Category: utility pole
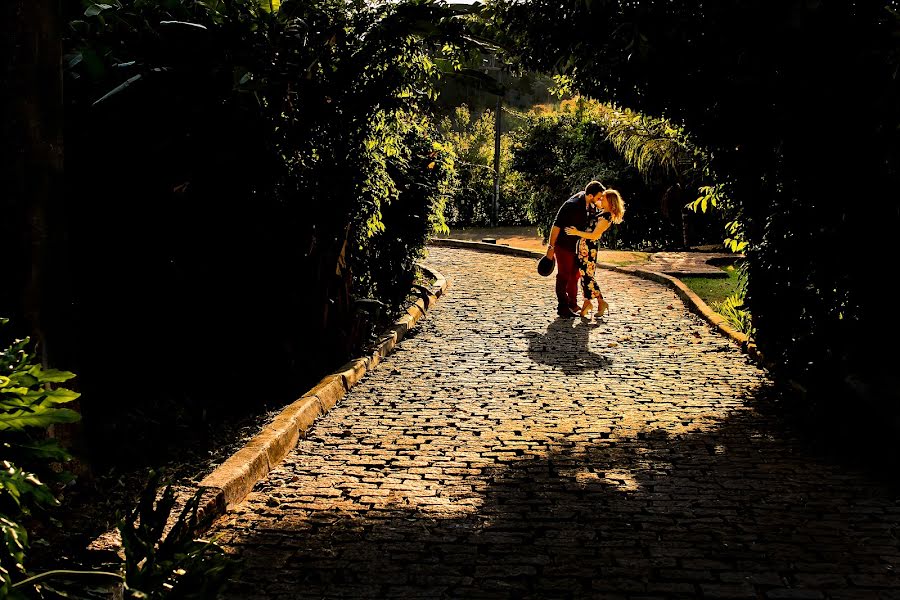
(497, 119)
(495, 208)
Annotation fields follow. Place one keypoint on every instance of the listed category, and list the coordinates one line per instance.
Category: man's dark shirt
(573, 213)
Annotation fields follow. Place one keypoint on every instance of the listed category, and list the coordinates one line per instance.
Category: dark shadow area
(184, 447)
(856, 428)
(565, 346)
(744, 509)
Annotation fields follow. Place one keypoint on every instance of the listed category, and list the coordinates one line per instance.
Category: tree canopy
(797, 103)
(239, 181)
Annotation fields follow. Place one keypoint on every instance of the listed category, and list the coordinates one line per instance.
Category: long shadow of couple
(565, 345)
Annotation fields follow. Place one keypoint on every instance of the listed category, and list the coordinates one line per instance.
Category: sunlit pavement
(502, 452)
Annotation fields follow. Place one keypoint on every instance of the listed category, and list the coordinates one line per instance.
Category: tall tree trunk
(32, 158)
(32, 218)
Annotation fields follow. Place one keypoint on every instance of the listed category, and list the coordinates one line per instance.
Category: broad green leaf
(185, 24)
(14, 402)
(15, 538)
(95, 9)
(73, 59)
(47, 449)
(50, 375)
(23, 379)
(19, 420)
(19, 484)
(117, 89)
(60, 396)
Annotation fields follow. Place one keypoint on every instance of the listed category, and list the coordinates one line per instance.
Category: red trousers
(567, 278)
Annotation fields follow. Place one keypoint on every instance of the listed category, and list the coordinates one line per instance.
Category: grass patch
(714, 290)
(722, 295)
(623, 258)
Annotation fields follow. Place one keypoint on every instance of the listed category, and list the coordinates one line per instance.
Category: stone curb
(231, 481)
(690, 299)
(236, 476)
(484, 247)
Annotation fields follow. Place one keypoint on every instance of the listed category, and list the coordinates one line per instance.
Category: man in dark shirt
(573, 213)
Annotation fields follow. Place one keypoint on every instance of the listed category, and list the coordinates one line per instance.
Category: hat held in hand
(545, 265)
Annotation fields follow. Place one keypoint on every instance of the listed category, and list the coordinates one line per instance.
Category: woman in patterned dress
(608, 209)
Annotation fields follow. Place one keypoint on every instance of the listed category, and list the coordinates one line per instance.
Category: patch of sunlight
(621, 480)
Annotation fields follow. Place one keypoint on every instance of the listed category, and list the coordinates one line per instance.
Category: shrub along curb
(231, 481)
(690, 299)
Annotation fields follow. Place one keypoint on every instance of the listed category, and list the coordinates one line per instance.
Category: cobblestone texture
(504, 453)
(686, 263)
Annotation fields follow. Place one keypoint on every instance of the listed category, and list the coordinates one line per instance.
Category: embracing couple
(574, 240)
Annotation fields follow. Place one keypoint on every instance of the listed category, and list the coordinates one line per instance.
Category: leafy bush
(732, 308)
(419, 183)
(165, 561)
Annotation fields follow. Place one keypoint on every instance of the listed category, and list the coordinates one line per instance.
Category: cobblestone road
(504, 453)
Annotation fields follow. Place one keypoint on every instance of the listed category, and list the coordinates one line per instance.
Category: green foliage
(660, 150)
(709, 196)
(557, 156)
(715, 289)
(30, 400)
(472, 138)
(165, 560)
(15, 543)
(725, 296)
(477, 89)
(25, 400)
(717, 197)
(732, 308)
(655, 147)
(420, 176)
(174, 565)
(249, 159)
(736, 242)
(164, 557)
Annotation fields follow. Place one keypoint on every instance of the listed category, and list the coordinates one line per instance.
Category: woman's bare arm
(602, 225)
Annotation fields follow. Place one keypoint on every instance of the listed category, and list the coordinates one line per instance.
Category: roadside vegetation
(725, 296)
(238, 193)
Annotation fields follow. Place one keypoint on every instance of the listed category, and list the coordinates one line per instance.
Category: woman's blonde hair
(616, 204)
